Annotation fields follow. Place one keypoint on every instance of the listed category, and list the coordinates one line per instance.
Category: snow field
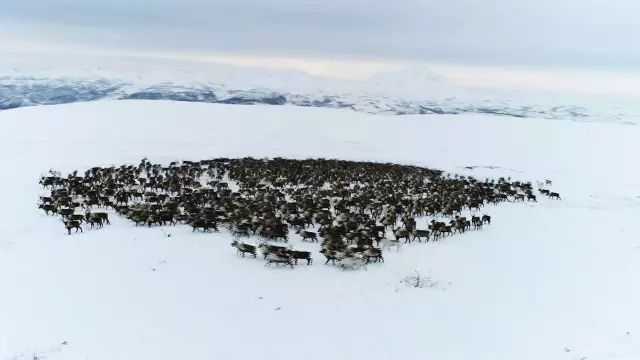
(553, 280)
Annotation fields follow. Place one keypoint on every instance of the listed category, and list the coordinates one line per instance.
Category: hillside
(412, 91)
(552, 280)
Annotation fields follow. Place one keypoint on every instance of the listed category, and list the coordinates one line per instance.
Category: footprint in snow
(160, 263)
(39, 354)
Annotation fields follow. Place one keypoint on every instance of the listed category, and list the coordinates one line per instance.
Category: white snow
(553, 280)
(404, 90)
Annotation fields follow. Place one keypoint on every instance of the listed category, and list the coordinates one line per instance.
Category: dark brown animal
(72, 224)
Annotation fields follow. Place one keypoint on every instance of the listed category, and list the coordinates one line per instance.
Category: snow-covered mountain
(406, 92)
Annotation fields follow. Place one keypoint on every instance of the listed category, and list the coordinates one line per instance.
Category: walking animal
(244, 248)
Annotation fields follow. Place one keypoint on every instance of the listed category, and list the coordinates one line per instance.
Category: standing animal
(48, 208)
(244, 248)
(299, 255)
(421, 234)
(271, 249)
(554, 195)
(72, 224)
(279, 259)
(65, 212)
(402, 234)
(97, 217)
(332, 255)
(477, 222)
(309, 235)
(205, 225)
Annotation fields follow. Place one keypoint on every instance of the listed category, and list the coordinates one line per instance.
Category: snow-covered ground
(553, 280)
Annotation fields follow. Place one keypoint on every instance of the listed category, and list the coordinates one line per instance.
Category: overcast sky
(581, 46)
(585, 33)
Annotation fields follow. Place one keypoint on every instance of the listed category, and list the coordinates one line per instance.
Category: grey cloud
(542, 32)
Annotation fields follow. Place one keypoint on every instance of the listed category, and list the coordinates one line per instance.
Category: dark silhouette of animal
(48, 208)
(309, 235)
(65, 212)
(299, 255)
(421, 234)
(204, 225)
(244, 248)
(72, 224)
(332, 255)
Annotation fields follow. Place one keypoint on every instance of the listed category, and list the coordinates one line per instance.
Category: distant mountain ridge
(21, 91)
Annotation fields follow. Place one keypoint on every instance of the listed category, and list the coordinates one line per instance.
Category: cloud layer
(514, 32)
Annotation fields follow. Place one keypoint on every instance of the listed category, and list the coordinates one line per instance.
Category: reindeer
(401, 233)
(46, 200)
(244, 248)
(476, 221)
(279, 259)
(48, 208)
(332, 255)
(309, 235)
(554, 195)
(98, 215)
(65, 213)
(72, 224)
(205, 225)
(96, 219)
(271, 249)
(445, 230)
(299, 255)
(421, 234)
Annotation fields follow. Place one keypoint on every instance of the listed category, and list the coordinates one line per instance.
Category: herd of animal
(350, 205)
